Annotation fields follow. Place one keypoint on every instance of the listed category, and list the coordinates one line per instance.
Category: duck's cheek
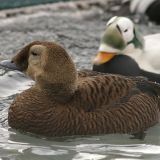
(30, 74)
(113, 38)
(35, 74)
(128, 36)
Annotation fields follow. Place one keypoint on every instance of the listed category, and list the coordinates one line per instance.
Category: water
(79, 32)
(6, 4)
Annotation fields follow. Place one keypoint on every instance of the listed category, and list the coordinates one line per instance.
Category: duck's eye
(34, 54)
(126, 30)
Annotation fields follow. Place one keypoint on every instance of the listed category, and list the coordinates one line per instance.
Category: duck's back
(152, 51)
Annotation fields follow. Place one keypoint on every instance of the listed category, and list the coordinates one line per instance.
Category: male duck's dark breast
(120, 64)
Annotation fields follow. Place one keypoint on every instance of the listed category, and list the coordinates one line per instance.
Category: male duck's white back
(152, 51)
(147, 58)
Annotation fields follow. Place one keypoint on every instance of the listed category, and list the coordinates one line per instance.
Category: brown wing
(117, 104)
(139, 113)
(98, 89)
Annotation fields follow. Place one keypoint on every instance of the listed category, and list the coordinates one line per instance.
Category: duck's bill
(103, 57)
(9, 65)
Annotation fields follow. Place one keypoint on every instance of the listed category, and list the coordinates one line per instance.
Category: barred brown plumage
(66, 102)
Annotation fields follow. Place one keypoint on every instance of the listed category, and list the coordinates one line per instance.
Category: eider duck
(122, 37)
(64, 102)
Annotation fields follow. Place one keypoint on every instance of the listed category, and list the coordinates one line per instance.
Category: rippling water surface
(19, 146)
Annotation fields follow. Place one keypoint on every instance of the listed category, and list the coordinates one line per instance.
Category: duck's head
(120, 34)
(47, 63)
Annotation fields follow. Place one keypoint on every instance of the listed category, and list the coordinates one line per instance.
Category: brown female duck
(63, 102)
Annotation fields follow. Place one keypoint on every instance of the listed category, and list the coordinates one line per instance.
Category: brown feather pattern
(96, 104)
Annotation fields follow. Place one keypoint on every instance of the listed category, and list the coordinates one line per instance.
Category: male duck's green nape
(65, 102)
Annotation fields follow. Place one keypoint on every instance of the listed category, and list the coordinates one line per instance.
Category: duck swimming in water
(122, 37)
(65, 102)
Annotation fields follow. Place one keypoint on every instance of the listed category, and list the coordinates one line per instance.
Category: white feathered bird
(122, 37)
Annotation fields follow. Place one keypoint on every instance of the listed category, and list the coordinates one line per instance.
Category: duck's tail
(151, 76)
(149, 87)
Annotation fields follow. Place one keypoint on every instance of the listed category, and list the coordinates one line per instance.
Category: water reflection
(88, 156)
(13, 82)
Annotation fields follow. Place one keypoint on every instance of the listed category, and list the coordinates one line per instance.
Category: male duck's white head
(120, 35)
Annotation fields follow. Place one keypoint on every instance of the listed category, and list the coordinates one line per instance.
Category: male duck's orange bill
(103, 57)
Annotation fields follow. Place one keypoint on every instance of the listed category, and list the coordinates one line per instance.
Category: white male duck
(122, 37)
